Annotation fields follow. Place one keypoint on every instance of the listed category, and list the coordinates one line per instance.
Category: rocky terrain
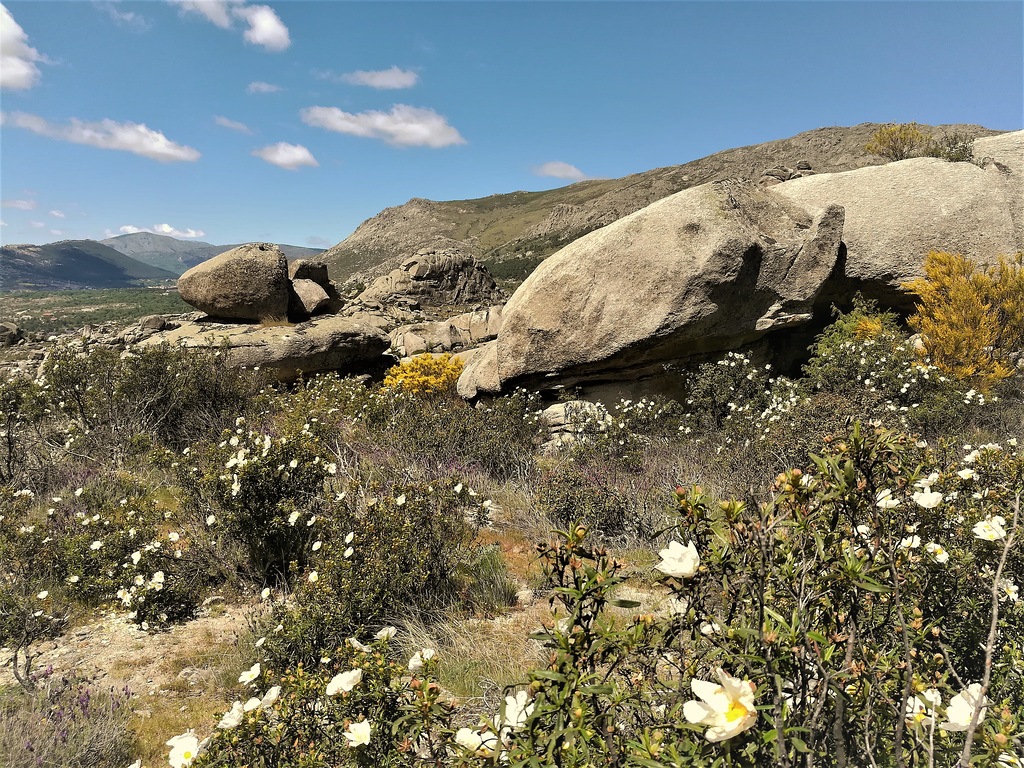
(516, 230)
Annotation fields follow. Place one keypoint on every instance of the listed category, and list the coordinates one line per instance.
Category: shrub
(971, 319)
(956, 147)
(67, 722)
(392, 550)
(425, 375)
(896, 141)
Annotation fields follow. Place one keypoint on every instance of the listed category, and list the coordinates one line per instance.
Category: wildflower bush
(955, 147)
(377, 554)
(65, 721)
(425, 375)
(971, 318)
(897, 141)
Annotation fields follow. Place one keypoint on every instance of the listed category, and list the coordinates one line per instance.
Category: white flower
(250, 674)
(270, 697)
(233, 718)
(386, 634)
(884, 499)
(73, 579)
(317, 545)
(354, 642)
(1006, 760)
(358, 734)
(348, 539)
(259, 643)
(911, 542)
(96, 545)
(679, 561)
(1008, 590)
(348, 553)
(727, 709)
(517, 710)
(477, 743)
(332, 468)
(211, 519)
(961, 709)
(927, 499)
(990, 529)
(416, 662)
(941, 555)
(293, 517)
(967, 474)
(183, 750)
(400, 500)
(173, 536)
(344, 681)
(42, 595)
(918, 711)
(265, 593)
(313, 577)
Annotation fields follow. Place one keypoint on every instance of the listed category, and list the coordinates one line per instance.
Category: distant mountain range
(119, 262)
(177, 256)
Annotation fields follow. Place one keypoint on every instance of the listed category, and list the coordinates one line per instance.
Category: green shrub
(385, 552)
(955, 147)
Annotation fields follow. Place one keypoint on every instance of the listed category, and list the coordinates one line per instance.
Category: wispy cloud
(288, 156)
(233, 125)
(162, 229)
(21, 205)
(403, 126)
(382, 79)
(560, 170)
(57, 214)
(37, 224)
(318, 242)
(265, 26)
(127, 19)
(107, 134)
(18, 70)
(259, 87)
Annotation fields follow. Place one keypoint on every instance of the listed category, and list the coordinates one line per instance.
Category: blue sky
(293, 121)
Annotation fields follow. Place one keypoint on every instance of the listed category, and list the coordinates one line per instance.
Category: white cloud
(560, 170)
(128, 19)
(56, 231)
(384, 79)
(57, 214)
(21, 205)
(234, 126)
(288, 156)
(215, 11)
(107, 134)
(403, 126)
(3, 223)
(318, 242)
(37, 224)
(265, 27)
(159, 229)
(259, 87)
(18, 71)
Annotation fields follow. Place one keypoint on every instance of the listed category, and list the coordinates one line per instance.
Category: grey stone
(249, 282)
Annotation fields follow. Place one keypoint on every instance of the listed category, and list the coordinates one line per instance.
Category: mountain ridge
(512, 232)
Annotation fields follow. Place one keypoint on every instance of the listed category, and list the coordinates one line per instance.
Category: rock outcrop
(897, 213)
(445, 276)
(329, 343)
(706, 269)
(249, 282)
(456, 333)
(10, 334)
(723, 265)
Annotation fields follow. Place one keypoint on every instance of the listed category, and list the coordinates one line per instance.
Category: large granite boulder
(897, 213)
(328, 343)
(436, 276)
(711, 268)
(249, 282)
(460, 332)
(312, 290)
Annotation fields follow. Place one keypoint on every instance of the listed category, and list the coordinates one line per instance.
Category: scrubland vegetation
(836, 584)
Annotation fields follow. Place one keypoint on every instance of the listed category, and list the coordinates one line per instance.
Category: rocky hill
(72, 264)
(513, 232)
(178, 256)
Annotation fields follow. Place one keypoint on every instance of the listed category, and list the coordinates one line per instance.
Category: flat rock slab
(328, 344)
